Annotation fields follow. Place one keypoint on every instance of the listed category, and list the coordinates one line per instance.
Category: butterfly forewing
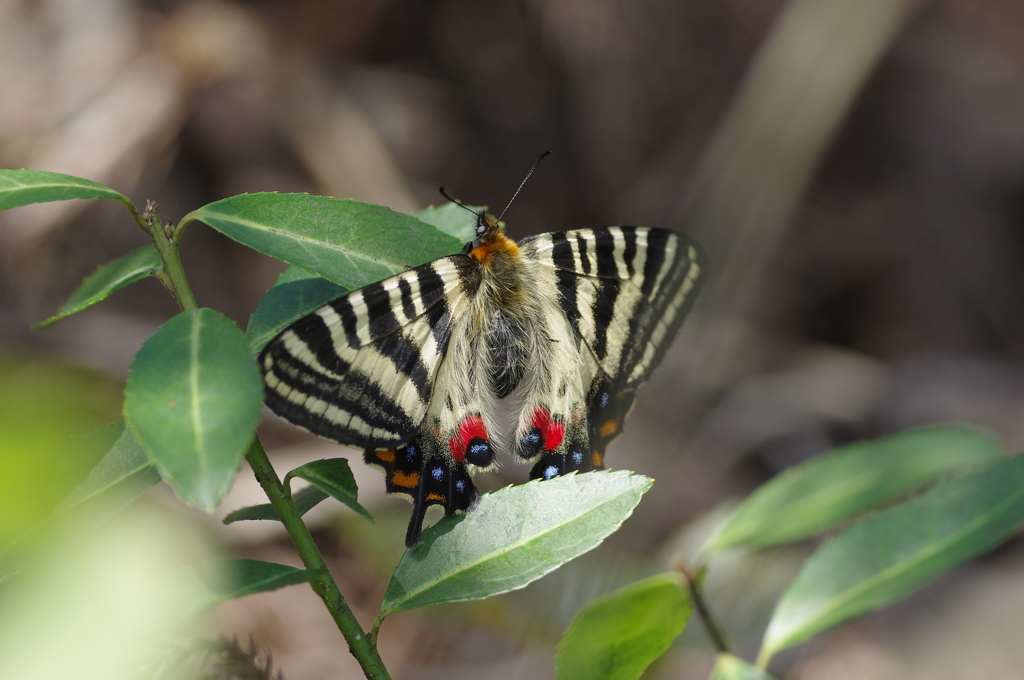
(626, 289)
(360, 370)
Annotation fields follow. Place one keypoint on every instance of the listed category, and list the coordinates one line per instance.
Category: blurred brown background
(855, 169)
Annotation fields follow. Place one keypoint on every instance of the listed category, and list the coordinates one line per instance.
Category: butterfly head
(490, 240)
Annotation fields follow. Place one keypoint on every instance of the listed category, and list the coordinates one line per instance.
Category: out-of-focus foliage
(836, 487)
(43, 404)
(891, 554)
(99, 605)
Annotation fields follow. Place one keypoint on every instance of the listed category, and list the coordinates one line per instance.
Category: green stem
(173, 278)
(375, 628)
(715, 632)
(173, 274)
(324, 586)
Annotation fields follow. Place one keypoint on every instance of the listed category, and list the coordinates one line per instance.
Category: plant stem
(324, 586)
(174, 279)
(173, 274)
(694, 580)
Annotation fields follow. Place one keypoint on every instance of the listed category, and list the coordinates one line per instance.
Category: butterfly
(410, 368)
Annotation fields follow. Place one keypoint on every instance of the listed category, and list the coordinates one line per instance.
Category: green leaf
(329, 478)
(850, 481)
(344, 241)
(453, 219)
(618, 635)
(22, 187)
(889, 555)
(729, 667)
(238, 578)
(193, 399)
(334, 477)
(109, 278)
(121, 476)
(513, 536)
(304, 500)
(295, 294)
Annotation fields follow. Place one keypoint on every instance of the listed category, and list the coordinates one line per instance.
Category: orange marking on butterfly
(435, 497)
(597, 458)
(408, 481)
(386, 456)
(493, 242)
(609, 428)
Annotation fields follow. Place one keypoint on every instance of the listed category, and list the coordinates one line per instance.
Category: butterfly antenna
(535, 164)
(445, 194)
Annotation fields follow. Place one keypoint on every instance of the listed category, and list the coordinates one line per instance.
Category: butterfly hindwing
(425, 473)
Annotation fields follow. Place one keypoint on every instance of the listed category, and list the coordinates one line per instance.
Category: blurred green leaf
(121, 476)
(108, 279)
(850, 481)
(514, 536)
(728, 667)
(193, 400)
(344, 241)
(238, 578)
(305, 500)
(452, 219)
(44, 405)
(295, 294)
(334, 477)
(893, 553)
(22, 187)
(17, 554)
(618, 635)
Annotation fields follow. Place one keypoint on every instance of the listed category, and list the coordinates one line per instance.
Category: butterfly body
(411, 368)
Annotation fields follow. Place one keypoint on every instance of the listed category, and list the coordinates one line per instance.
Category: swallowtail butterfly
(410, 368)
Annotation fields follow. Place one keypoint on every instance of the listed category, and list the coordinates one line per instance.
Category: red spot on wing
(552, 431)
(470, 428)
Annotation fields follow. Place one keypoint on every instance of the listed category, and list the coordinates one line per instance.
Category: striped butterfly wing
(626, 291)
(360, 370)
